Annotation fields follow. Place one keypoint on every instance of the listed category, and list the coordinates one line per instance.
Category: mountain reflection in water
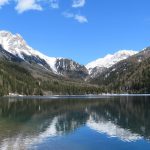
(25, 123)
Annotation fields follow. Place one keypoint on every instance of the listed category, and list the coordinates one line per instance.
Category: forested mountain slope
(131, 75)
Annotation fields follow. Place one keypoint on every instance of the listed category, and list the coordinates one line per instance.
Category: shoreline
(73, 96)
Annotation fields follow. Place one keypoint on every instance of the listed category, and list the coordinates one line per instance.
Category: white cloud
(80, 18)
(3, 2)
(54, 4)
(78, 3)
(24, 5)
(77, 17)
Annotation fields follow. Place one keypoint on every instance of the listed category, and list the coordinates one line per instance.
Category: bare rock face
(71, 68)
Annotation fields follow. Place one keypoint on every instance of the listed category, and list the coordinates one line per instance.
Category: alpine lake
(75, 123)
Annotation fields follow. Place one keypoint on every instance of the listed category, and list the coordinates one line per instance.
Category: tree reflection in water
(24, 122)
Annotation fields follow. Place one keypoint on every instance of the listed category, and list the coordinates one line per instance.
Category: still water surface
(106, 123)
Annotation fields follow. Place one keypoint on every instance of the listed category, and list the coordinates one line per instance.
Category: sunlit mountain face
(27, 123)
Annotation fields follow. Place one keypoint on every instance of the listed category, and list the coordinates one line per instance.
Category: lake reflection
(75, 124)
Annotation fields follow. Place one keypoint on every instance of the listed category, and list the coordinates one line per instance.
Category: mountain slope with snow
(16, 45)
(109, 60)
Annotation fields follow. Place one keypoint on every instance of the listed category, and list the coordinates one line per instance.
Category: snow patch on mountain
(110, 59)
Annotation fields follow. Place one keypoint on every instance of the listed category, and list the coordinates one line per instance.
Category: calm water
(115, 123)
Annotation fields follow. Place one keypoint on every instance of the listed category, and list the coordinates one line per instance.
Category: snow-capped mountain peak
(16, 45)
(110, 59)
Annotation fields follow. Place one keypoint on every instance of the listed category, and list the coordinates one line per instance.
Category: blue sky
(83, 30)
